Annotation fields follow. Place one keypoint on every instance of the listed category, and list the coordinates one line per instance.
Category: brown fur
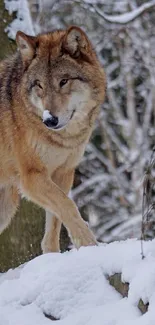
(38, 162)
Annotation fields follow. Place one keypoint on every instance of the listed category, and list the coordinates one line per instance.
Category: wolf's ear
(26, 45)
(75, 41)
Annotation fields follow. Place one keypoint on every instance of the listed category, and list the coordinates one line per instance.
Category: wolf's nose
(51, 122)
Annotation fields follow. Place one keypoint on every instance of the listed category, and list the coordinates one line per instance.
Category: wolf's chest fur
(55, 155)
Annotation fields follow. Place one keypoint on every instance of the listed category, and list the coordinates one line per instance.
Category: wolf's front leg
(38, 187)
(50, 242)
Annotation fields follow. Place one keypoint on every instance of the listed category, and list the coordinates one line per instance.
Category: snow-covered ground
(73, 287)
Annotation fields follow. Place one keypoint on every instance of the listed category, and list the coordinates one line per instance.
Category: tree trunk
(21, 241)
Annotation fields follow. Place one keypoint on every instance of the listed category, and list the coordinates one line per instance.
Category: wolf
(51, 90)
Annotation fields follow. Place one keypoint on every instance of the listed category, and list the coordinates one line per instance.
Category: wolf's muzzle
(52, 122)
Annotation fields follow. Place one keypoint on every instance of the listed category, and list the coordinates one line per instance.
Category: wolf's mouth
(61, 126)
(72, 114)
(48, 121)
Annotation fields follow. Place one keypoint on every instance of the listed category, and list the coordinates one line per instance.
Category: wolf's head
(62, 79)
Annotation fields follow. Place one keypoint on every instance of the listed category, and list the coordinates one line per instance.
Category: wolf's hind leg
(9, 199)
(50, 242)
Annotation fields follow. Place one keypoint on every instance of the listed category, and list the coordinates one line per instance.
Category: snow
(23, 21)
(126, 17)
(73, 287)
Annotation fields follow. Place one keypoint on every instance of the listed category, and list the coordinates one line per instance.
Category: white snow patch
(126, 17)
(73, 287)
(23, 22)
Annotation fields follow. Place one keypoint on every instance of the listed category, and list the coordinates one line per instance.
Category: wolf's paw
(85, 238)
(49, 246)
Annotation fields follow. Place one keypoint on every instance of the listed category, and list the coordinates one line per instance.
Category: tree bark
(21, 241)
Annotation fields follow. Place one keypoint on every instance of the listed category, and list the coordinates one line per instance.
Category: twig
(146, 203)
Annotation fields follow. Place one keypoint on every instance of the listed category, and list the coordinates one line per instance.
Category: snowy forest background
(108, 182)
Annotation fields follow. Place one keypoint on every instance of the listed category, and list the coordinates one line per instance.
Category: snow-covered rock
(73, 287)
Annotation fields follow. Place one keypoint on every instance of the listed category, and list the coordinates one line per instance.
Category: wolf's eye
(63, 82)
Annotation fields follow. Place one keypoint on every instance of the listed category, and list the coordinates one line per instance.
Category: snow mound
(73, 287)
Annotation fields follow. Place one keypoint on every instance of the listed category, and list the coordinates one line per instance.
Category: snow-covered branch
(127, 17)
(23, 21)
